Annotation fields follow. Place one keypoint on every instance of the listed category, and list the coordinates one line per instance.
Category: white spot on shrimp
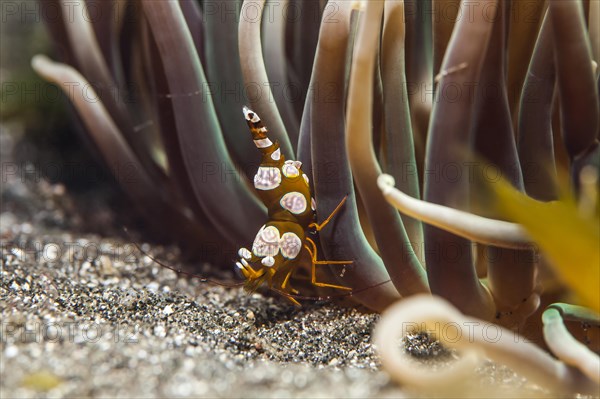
(294, 202)
(276, 155)
(244, 262)
(267, 178)
(290, 245)
(313, 204)
(290, 170)
(263, 143)
(305, 179)
(239, 265)
(268, 261)
(251, 115)
(244, 253)
(266, 242)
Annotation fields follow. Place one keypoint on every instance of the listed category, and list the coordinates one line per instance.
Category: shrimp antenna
(329, 297)
(178, 270)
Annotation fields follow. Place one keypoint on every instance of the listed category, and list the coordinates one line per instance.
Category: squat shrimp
(284, 239)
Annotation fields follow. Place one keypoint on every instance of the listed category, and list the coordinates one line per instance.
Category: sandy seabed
(89, 315)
